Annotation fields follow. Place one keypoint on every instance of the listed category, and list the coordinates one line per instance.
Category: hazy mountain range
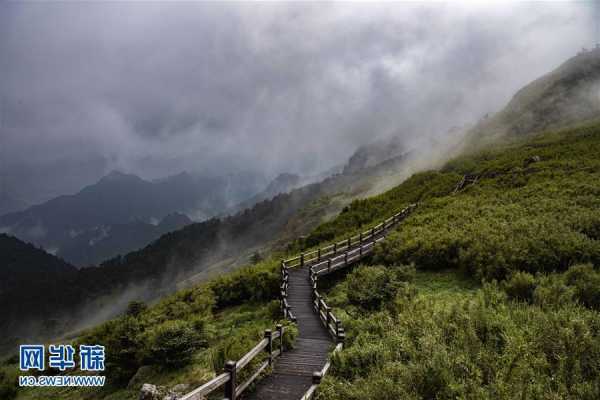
(122, 212)
(219, 244)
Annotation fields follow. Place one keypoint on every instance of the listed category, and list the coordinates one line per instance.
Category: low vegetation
(185, 338)
(490, 289)
(504, 303)
(479, 345)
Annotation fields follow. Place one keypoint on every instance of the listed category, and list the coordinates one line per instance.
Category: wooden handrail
(336, 248)
(200, 392)
(317, 376)
(228, 378)
(244, 385)
(242, 362)
(343, 254)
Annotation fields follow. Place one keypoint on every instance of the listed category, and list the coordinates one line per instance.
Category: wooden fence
(321, 261)
(228, 378)
(324, 261)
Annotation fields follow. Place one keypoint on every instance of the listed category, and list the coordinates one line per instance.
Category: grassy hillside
(181, 258)
(565, 96)
(491, 291)
(184, 339)
(502, 296)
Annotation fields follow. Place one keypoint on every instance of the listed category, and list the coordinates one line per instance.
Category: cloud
(156, 88)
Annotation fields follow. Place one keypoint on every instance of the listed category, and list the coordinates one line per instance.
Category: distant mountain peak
(568, 94)
(118, 176)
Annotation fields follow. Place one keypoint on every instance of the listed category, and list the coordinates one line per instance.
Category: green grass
(185, 338)
(495, 303)
(499, 307)
(444, 283)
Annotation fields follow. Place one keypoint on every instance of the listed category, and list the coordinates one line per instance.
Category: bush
(8, 386)
(553, 292)
(135, 308)
(256, 283)
(586, 283)
(477, 347)
(122, 338)
(521, 286)
(371, 286)
(172, 344)
(290, 334)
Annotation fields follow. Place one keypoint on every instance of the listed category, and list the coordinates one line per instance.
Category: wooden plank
(242, 362)
(309, 393)
(240, 389)
(208, 387)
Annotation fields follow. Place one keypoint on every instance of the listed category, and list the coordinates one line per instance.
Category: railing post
(318, 299)
(329, 265)
(334, 248)
(319, 254)
(346, 258)
(280, 330)
(230, 367)
(341, 335)
(302, 259)
(316, 378)
(269, 337)
(361, 238)
(349, 242)
(327, 317)
(337, 327)
(373, 233)
(360, 250)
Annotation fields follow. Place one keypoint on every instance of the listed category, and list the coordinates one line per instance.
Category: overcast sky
(156, 88)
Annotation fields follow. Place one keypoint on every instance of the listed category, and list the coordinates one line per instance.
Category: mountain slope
(433, 329)
(192, 254)
(488, 290)
(83, 228)
(31, 279)
(569, 94)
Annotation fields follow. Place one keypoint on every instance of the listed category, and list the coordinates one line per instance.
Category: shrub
(172, 344)
(8, 386)
(290, 334)
(586, 283)
(552, 292)
(476, 347)
(256, 283)
(371, 286)
(135, 308)
(521, 286)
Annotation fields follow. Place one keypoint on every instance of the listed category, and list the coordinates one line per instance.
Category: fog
(156, 88)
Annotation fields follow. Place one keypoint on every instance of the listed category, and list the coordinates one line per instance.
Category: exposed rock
(149, 392)
(467, 180)
(138, 379)
(181, 388)
(533, 159)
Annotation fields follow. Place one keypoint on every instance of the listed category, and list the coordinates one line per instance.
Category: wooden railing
(318, 375)
(321, 261)
(228, 378)
(325, 260)
(286, 309)
(322, 254)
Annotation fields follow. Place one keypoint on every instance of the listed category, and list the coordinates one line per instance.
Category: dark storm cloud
(155, 88)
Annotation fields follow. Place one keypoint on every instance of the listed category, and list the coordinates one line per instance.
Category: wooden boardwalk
(297, 373)
(292, 374)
